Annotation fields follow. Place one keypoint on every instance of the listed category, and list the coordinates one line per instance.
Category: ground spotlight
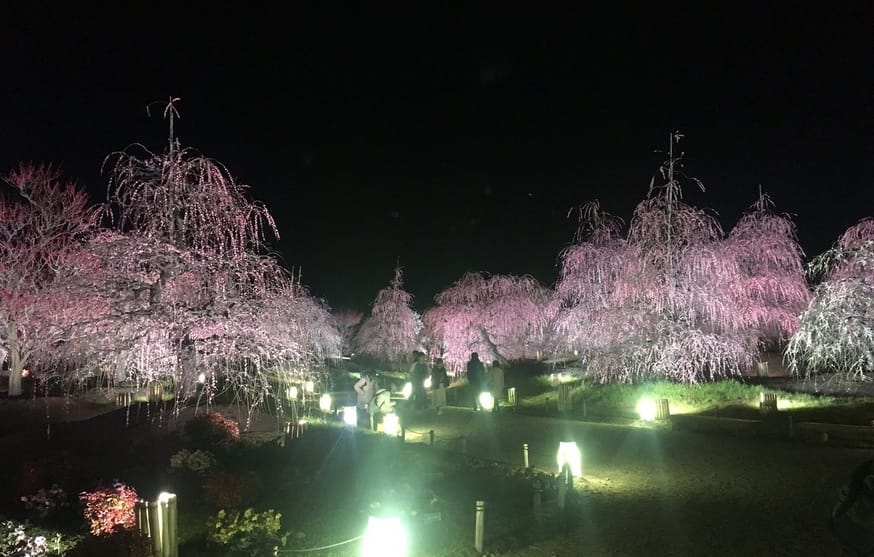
(569, 454)
(487, 401)
(385, 537)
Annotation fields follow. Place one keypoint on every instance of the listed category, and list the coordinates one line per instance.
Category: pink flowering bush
(213, 429)
(109, 509)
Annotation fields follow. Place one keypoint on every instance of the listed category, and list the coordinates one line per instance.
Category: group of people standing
(420, 372)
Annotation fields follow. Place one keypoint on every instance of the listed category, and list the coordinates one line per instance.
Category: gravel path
(661, 492)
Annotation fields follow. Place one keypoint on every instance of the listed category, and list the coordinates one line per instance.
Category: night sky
(458, 138)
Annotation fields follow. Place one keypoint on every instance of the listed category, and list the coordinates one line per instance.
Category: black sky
(457, 137)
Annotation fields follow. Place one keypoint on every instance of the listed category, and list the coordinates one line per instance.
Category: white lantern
(201, 379)
(291, 393)
(310, 387)
(569, 453)
(646, 409)
(385, 537)
(350, 415)
(391, 424)
(427, 382)
(325, 403)
(407, 390)
(487, 401)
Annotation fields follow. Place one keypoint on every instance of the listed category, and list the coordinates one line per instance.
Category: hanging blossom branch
(836, 333)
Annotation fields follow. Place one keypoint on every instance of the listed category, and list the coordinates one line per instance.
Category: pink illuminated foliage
(662, 303)
(772, 291)
(43, 220)
(189, 289)
(391, 331)
(497, 316)
(836, 334)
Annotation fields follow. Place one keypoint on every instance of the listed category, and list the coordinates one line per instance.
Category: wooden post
(525, 454)
(431, 437)
(511, 396)
(663, 410)
(767, 402)
(480, 526)
(538, 502)
(564, 398)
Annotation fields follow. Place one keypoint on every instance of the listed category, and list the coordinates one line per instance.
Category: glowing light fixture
(385, 537)
(201, 379)
(646, 409)
(291, 393)
(325, 403)
(427, 382)
(310, 387)
(407, 390)
(391, 424)
(487, 401)
(350, 415)
(569, 453)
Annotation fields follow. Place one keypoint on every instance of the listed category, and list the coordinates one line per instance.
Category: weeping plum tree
(497, 316)
(772, 291)
(836, 333)
(189, 286)
(42, 222)
(581, 306)
(391, 331)
(673, 313)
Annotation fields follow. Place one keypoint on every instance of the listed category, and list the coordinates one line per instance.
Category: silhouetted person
(476, 376)
(420, 374)
(439, 382)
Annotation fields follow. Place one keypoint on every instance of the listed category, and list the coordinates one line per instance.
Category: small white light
(646, 409)
(390, 424)
(385, 537)
(407, 390)
(487, 401)
(201, 379)
(427, 382)
(291, 393)
(310, 387)
(350, 415)
(164, 497)
(569, 453)
(325, 403)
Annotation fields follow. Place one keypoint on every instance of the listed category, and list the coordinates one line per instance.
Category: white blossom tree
(42, 222)
(391, 331)
(496, 316)
(836, 333)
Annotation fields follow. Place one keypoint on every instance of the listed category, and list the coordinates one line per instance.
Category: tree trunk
(16, 362)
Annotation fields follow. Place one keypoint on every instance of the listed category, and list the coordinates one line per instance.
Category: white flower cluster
(196, 461)
(15, 542)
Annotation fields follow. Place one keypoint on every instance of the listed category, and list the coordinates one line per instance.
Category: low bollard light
(384, 537)
(350, 416)
(487, 401)
(646, 409)
(391, 424)
(479, 532)
(291, 393)
(325, 403)
(569, 454)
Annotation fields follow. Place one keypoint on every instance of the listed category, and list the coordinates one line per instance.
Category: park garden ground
(647, 489)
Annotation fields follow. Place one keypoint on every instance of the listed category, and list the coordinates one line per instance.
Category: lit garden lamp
(569, 454)
(350, 416)
(407, 390)
(646, 409)
(291, 393)
(310, 387)
(391, 424)
(427, 383)
(201, 379)
(325, 403)
(385, 537)
(487, 401)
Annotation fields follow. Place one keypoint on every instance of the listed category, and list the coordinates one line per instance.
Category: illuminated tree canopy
(391, 331)
(836, 333)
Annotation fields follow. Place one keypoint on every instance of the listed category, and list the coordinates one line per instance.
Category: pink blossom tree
(673, 314)
(190, 290)
(836, 333)
(581, 309)
(497, 316)
(772, 291)
(391, 331)
(42, 222)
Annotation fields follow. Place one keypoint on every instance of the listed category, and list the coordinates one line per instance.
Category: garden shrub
(45, 502)
(121, 543)
(225, 490)
(247, 531)
(15, 541)
(197, 461)
(213, 429)
(109, 509)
